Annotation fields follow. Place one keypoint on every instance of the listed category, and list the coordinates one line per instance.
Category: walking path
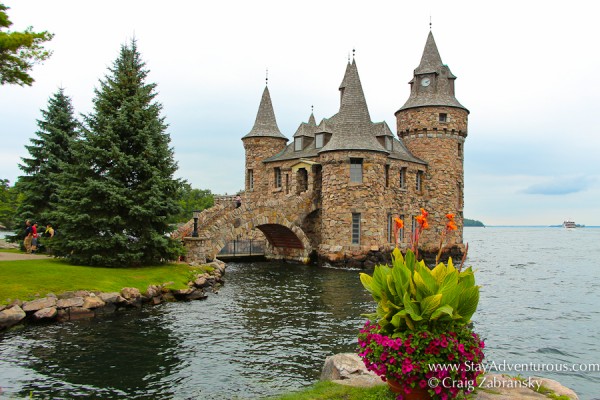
(4, 256)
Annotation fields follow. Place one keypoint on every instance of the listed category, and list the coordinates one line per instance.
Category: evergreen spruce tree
(118, 195)
(49, 151)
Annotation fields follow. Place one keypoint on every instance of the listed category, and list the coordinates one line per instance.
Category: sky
(527, 71)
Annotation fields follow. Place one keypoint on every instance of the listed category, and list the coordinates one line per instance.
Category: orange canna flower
(450, 217)
(451, 226)
(422, 220)
(424, 213)
(399, 223)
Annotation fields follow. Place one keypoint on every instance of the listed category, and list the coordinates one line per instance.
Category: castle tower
(433, 125)
(263, 141)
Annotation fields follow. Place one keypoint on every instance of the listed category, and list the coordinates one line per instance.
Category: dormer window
(298, 144)
(319, 140)
(443, 117)
(388, 143)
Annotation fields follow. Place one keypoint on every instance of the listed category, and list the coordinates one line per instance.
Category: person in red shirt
(34, 240)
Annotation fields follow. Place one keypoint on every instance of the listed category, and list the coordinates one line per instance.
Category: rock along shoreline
(348, 369)
(74, 305)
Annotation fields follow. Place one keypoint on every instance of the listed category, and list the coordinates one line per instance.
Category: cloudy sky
(527, 71)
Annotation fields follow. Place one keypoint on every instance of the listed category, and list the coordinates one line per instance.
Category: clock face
(425, 82)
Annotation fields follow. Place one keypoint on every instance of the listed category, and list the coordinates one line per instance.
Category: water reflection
(122, 355)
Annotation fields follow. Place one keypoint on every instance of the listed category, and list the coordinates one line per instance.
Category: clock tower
(433, 125)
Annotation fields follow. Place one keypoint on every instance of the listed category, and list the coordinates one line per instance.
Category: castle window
(250, 179)
(277, 177)
(355, 228)
(356, 170)
(460, 150)
(443, 117)
(403, 178)
(419, 185)
(319, 140)
(301, 180)
(298, 144)
(388, 143)
(387, 175)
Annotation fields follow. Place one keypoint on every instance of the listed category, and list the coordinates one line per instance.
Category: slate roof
(431, 63)
(351, 127)
(265, 124)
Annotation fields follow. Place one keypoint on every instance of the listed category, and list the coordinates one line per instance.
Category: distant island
(472, 222)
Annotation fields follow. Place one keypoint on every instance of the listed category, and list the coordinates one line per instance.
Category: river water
(271, 326)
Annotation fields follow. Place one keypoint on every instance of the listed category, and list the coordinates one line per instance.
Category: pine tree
(117, 198)
(49, 151)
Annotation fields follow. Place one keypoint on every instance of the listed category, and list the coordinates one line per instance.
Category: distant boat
(569, 224)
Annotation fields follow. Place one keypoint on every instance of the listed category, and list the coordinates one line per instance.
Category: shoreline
(80, 304)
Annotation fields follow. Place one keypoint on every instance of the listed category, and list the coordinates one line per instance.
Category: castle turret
(433, 125)
(263, 141)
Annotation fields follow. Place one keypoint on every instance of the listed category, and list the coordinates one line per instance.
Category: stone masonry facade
(333, 192)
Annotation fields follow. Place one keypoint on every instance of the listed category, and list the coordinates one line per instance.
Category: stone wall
(258, 149)
(441, 144)
(81, 304)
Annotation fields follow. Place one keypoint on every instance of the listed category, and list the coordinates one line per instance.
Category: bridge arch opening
(281, 236)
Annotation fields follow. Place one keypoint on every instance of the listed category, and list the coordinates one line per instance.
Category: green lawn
(332, 391)
(24, 279)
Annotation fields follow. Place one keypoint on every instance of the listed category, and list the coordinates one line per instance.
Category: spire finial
(267, 77)
(353, 54)
(312, 109)
(429, 22)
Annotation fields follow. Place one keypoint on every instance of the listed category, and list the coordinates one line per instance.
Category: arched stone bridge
(283, 224)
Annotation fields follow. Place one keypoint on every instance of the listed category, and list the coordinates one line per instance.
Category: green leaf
(430, 304)
(412, 308)
(442, 310)
(467, 305)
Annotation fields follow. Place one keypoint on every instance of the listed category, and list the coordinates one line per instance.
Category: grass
(27, 278)
(326, 390)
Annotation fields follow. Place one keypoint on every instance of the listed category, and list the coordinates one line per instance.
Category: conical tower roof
(353, 128)
(265, 124)
(441, 91)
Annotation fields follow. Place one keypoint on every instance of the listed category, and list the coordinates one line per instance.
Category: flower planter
(417, 393)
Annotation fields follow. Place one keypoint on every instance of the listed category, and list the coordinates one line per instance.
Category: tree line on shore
(105, 183)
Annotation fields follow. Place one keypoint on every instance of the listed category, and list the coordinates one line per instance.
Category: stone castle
(360, 174)
(333, 192)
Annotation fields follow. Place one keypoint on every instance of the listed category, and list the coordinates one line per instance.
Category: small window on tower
(298, 144)
(443, 117)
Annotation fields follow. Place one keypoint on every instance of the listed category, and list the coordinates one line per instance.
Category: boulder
(11, 316)
(130, 293)
(348, 369)
(35, 305)
(45, 314)
(153, 291)
(556, 387)
(76, 313)
(70, 302)
(62, 314)
(77, 293)
(108, 308)
(181, 294)
(201, 282)
(197, 294)
(92, 302)
(112, 297)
